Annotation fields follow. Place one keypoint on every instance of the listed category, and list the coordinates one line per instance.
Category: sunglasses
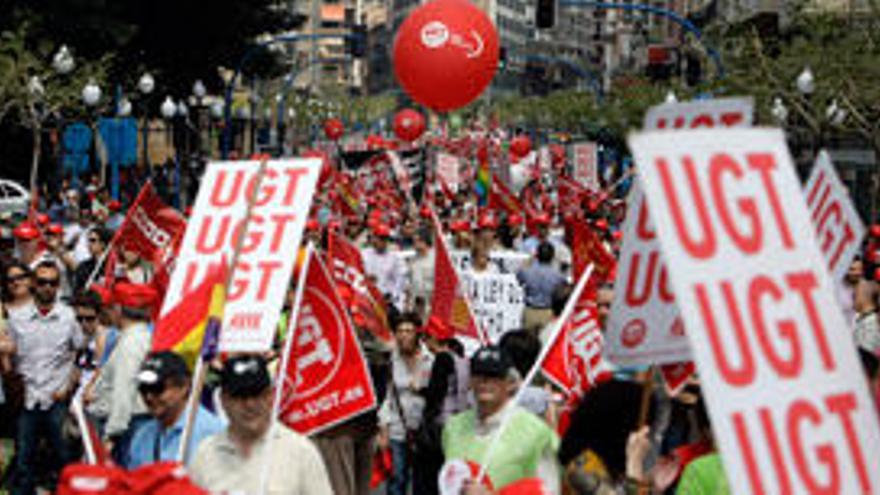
(48, 282)
(94, 239)
(84, 318)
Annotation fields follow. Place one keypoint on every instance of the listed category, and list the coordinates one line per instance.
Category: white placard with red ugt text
(789, 402)
(839, 229)
(262, 272)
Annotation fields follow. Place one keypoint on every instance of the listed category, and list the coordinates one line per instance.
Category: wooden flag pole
(558, 327)
(200, 371)
(282, 370)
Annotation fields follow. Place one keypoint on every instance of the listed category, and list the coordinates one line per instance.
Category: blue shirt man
(164, 385)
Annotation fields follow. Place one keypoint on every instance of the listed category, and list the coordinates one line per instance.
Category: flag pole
(200, 370)
(558, 327)
(76, 407)
(282, 370)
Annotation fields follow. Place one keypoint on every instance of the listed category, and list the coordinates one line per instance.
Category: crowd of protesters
(63, 342)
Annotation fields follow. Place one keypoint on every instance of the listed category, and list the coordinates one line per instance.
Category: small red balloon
(334, 129)
(520, 146)
(446, 54)
(409, 125)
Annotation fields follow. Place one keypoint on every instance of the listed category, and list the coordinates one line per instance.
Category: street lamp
(199, 90)
(123, 108)
(671, 98)
(779, 111)
(806, 82)
(91, 94)
(168, 108)
(63, 62)
(835, 114)
(146, 83)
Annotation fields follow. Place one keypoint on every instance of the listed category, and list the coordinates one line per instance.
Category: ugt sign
(789, 402)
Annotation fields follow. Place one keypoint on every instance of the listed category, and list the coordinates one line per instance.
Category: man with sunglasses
(164, 386)
(46, 338)
(98, 238)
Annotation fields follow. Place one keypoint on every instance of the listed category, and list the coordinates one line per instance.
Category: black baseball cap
(245, 376)
(491, 361)
(159, 367)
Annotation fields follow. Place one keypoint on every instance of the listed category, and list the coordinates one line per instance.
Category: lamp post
(91, 96)
(168, 109)
(146, 84)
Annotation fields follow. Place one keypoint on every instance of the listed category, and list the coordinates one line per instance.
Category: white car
(13, 198)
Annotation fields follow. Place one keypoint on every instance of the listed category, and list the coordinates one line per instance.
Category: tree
(32, 93)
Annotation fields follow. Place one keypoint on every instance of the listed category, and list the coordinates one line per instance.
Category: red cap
(56, 229)
(602, 224)
(92, 479)
(43, 219)
(487, 221)
(382, 230)
(438, 329)
(162, 478)
(617, 235)
(425, 212)
(114, 205)
(541, 219)
(26, 231)
(875, 230)
(136, 296)
(460, 226)
(514, 220)
(312, 225)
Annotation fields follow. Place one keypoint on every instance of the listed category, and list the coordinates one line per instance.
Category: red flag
(570, 194)
(501, 198)
(327, 380)
(367, 304)
(449, 303)
(151, 228)
(574, 362)
(587, 248)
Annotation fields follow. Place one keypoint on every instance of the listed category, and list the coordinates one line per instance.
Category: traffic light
(356, 42)
(545, 14)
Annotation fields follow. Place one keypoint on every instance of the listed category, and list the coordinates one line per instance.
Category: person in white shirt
(385, 268)
(233, 461)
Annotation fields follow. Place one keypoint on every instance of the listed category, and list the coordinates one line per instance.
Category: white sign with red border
(262, 272)
(585, 169)
(714, 113)
(839, 229)
(644, 326)
(790, 406)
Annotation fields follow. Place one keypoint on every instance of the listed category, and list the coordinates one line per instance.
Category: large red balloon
(409, 125)
(334, 129)
(520, 146)
(446, 53)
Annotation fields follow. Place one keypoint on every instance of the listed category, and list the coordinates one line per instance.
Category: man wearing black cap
(164, 386)
(527, 446)
(234, 460)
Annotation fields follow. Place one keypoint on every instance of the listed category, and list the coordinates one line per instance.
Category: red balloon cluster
(334, 129)
(446, 53)
(409, 125)
(520, 146)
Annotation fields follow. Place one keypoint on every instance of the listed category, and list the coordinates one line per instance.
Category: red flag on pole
(367, 304)
(449, 303)
(501, 198)
(587, 248)
(575, 361)
(326, 381)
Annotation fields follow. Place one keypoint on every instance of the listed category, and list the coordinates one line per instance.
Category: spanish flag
(193, 326)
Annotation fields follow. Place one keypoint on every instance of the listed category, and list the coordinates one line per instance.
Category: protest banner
(839, 229)
(714, 113)
(644, 326)
(586, 172)
(498, 301)
(448, 170)
(326, 379)
(791, 410)
(261, 273)
(505, 261)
